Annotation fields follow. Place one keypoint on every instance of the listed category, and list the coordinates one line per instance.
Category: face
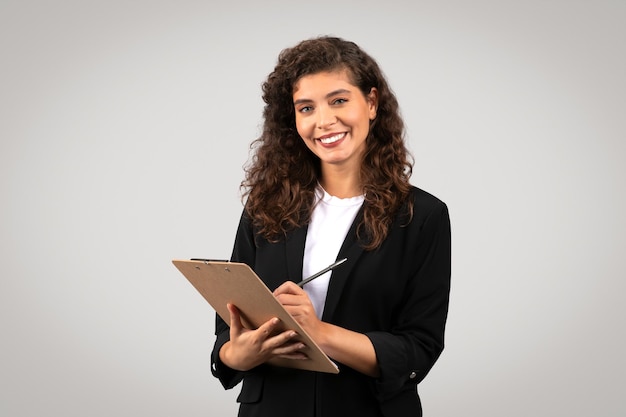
(333, 117)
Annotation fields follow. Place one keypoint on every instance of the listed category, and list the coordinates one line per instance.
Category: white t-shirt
(330, 222)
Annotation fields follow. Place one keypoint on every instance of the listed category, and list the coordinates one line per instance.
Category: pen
(322, 272)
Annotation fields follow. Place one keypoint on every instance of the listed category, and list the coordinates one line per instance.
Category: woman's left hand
(297, 303)
(346, 346)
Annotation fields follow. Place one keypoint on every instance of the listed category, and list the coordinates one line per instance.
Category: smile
(332, 139)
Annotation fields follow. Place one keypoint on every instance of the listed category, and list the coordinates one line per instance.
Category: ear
(372, 100)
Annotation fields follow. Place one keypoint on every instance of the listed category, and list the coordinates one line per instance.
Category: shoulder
(425, 204)
(424, 198)
(423, 214)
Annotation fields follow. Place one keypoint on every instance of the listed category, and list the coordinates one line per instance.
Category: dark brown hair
(282, 175)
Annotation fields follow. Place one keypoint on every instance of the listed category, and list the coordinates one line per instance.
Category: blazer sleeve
(408, 351)
(243, 251)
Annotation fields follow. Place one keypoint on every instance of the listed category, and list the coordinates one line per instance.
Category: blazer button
(412, 375)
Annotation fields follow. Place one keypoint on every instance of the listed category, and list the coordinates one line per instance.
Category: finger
(294, 355)
(284, 338)
(292, 350)
(288, 287)
(291, 299)
(269, 327)
(235, 318)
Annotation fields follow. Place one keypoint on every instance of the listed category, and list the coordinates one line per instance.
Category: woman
(330, 180)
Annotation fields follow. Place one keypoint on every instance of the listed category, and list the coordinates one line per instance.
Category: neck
(340, 183)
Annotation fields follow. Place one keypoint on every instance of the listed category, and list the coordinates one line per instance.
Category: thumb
(235, 318)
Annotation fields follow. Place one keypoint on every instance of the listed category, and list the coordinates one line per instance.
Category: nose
(325, 117)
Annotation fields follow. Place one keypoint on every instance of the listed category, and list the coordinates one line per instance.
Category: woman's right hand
(249, 348)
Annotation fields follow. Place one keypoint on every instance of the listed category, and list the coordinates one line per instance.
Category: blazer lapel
(294, 251)
(352, 250)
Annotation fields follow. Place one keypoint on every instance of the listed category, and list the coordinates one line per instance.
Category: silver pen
(322, 272)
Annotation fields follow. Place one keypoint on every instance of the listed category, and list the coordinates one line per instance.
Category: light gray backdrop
(124, 127)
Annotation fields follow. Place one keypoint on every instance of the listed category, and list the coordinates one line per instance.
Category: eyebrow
(331, 94)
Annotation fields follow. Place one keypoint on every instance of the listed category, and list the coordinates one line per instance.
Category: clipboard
(222, 282)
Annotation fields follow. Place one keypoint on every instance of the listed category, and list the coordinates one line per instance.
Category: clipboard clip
(206, 261)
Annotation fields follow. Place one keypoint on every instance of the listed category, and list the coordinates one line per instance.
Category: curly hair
(281, 177)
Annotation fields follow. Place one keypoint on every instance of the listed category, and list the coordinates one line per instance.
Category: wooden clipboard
(222, 282)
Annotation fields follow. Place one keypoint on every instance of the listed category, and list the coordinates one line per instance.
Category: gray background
(124, 127)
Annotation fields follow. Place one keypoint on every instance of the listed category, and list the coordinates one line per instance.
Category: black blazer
(397, 295)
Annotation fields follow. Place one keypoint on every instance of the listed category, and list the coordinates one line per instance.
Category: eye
(305, 109)
(340, 101)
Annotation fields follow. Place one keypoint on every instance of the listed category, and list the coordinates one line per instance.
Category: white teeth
(332, 139)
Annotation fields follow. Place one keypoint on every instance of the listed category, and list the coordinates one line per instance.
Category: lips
(327, 140)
